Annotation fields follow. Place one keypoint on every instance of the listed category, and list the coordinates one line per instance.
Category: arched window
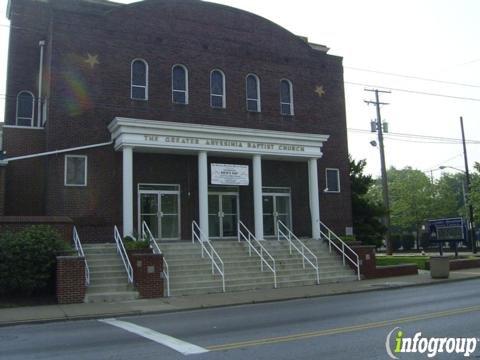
(217, 89)
(25, 108)
(286, 97)
(139, 88)
(179, 84)
(253, 93)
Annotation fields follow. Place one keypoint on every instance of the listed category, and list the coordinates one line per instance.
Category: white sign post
(229, 174)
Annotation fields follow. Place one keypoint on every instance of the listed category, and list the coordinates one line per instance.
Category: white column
(127, 191)
(203, 191)
(258, 196)
(314, 200)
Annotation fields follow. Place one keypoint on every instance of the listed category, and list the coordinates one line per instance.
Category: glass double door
(223, 211)
(160, 210)
(275, 207)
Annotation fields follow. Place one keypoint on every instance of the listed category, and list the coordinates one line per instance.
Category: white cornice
(151, 135)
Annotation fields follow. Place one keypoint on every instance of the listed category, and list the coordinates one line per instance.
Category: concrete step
(100, 267)
(109, 288)
(111, 297)
(179, 291)
(108, 273)
(108, 280)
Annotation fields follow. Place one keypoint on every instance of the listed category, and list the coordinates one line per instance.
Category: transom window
(286, 97)
(253, 93)
(179, 84)
(75, 170)
(333, 180)
(25, 109)
(139, 88)
(217, 89)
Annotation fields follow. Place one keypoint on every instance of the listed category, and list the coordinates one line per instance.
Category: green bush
(132, 244)
(28, 259)
(348, 238)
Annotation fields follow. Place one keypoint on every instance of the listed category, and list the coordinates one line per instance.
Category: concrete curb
(240, 303)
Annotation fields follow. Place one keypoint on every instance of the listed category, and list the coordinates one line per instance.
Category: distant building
(168, 112)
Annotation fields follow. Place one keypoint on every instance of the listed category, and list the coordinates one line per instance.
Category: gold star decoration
(92, 60)
(320, 91)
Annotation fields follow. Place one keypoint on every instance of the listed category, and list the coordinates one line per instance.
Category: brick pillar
(3, 170)
(70, 279)
(147, 274)
(368, 261)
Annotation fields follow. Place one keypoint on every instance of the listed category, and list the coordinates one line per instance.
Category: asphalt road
(337, 327)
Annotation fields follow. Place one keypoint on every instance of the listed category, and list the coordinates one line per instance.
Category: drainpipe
(40, 84)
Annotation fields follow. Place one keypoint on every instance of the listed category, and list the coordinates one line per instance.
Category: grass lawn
(396, 260)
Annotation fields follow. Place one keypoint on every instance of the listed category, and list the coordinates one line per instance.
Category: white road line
(178, 345)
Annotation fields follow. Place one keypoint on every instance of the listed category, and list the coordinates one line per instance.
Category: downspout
(40, 84)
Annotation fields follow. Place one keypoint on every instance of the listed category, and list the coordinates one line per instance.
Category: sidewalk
(47, 313)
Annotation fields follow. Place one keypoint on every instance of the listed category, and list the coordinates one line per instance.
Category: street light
(470, 207)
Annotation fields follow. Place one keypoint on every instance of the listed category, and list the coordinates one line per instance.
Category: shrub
(132, 244)
(28, 259)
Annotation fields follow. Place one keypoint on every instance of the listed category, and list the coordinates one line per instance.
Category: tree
(411, 194)
(448, 200)
(475, 192)
(367, 213)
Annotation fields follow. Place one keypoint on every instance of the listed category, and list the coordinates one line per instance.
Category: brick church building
(168, 112)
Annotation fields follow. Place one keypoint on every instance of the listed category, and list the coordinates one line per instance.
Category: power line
(417, 136)
(414, 91)
(412, 77)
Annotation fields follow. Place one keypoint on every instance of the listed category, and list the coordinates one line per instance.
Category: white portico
(147, 136)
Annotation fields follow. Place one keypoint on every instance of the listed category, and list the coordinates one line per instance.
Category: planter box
(439, 267)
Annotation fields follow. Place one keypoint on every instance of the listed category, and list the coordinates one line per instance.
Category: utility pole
(386, 201)
(467, 178)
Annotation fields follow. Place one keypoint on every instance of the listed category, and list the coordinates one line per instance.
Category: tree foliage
(367, 212)
(28, 258)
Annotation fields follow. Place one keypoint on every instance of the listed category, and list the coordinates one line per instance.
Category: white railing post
(207, 248)
(250, 239)
(343, 249)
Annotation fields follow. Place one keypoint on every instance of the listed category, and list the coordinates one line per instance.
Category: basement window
(75, 170)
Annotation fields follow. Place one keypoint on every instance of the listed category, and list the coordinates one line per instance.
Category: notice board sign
(444, 230)
(229, 174)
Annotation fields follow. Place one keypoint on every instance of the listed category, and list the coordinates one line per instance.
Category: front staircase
(191, 274)
(108, 279)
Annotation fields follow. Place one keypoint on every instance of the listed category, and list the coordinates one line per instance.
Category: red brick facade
(62, 224)
(147, 274)
(70, 279)
(84, 98)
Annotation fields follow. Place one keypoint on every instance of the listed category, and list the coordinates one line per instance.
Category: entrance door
(276, 206)
(223, 210)
(160, 210)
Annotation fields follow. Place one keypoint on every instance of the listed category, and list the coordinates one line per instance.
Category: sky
(398, 42)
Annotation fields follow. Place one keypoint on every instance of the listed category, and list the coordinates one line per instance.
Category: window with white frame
(333, 180)
(75, 170)
(253, 93)
(139, 86)
(179, 84)
(25, 109)
(286, 97)
(217, 89)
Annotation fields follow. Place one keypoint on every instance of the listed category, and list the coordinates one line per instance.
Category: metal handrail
(249, 238)
(123, 254)
(289, 235)
(156, 250)
(328, 236)
(207, 247)
(79, 248)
